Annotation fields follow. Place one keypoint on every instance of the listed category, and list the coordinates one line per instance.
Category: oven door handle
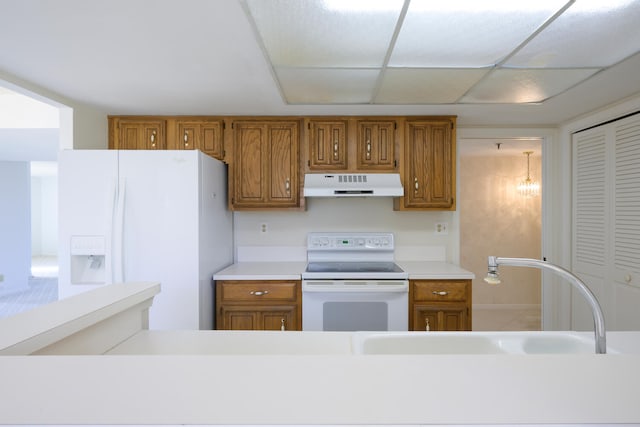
(401, 287)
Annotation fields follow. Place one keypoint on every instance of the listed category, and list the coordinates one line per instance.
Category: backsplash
(414, 231)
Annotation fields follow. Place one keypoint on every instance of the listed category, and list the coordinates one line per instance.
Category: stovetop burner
(353, 267)
(357, 255)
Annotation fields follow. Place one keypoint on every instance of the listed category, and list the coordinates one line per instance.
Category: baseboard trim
(507, 307)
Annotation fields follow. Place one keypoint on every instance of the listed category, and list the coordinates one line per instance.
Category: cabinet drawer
(440, 291)
(255, 292)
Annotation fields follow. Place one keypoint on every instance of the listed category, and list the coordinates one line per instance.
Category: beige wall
(496, 220)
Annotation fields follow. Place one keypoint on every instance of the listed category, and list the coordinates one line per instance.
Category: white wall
(496, 220)
(15, 224)
(44, 215)
(348, 214)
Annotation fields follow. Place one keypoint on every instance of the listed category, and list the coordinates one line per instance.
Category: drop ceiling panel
(327, 86)
(462, 33)
(591, 33)
(525, 86)
(420, 86)
(323, 34)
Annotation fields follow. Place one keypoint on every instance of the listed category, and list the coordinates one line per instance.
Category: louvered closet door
(590, 202)
(626, 233)
(591, 206)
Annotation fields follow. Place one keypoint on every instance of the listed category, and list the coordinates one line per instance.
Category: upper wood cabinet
(327, 144)
(376, 145)
(168, 133)
(429, 165)
(137, 133)
(265, 164)
(205, 135)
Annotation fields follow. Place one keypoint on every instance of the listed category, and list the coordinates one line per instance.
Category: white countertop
(434, 270)
(178, 378)
(294, 270)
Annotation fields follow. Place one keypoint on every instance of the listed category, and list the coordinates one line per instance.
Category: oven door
(358, 305)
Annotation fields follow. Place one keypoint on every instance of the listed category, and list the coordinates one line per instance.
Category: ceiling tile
(525, 85)
(317, 34)
(463, 33)
(609, 28)
(426, 86)
(327, 86)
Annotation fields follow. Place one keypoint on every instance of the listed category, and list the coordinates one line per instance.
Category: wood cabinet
(440, 305)
(168, 133)
(265, 164)
(258, 305)
(137, 133)
(327, 143)
(205, 135)
(376, 143)
(352, 144)
(429, 166)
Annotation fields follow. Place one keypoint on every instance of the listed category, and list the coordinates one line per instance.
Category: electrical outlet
(263, 227)
(442, 228)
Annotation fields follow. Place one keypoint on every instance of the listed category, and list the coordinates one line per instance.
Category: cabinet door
(265, 165)
(250, 143)
(238, 319)
(282, 166)
(438, 318)
(258, 318)
(376, 145)
(279, 318)
(204, 135)
(327, 145)
(429, 165)
(139, 134)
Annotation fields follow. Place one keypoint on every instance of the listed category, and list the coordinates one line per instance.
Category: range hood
(352, 185)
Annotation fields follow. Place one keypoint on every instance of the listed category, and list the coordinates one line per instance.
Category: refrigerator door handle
(118, 235)
(113, 203)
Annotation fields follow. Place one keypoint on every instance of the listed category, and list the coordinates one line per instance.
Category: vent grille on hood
(353, 185)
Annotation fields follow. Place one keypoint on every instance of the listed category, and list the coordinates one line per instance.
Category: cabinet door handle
(368, 149)
(335, 150)
(282, 327)
(427, 327)
(441, 293)
(287, 184)
(186, 139)
(152, 138)
(259, 293)
(415, 183)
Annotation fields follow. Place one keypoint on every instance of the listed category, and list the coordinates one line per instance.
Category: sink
(424, 343)
(557, 344)
(525, 342)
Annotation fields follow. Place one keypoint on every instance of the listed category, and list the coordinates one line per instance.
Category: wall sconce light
(528, 187)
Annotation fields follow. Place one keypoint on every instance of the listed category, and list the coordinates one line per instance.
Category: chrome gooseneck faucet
(598, 317)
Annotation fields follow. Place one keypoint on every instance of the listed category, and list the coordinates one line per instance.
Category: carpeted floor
(42, 289)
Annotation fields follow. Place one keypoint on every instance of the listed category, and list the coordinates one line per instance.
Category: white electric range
(352, 283)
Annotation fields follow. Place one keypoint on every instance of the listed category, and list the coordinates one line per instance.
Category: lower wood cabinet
(259, 305)
(440, 305)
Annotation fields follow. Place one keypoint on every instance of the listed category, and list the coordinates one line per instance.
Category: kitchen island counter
(186, 387)
(284, 378)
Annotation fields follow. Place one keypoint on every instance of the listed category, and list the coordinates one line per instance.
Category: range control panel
(350, 241)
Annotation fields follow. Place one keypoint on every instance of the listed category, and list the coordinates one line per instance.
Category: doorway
(496, 219)
(29, 144)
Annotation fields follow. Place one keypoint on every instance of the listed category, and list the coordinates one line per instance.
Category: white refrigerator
(137, 215)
